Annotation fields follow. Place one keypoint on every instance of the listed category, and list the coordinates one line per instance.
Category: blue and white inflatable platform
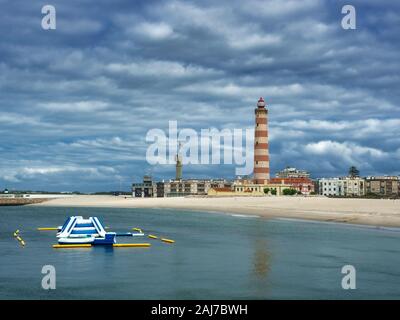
(77, 230)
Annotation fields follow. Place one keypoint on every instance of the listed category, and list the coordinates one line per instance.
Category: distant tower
(261, 152)
(178, 170)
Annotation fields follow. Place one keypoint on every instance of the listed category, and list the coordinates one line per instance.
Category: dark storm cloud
(76, 102)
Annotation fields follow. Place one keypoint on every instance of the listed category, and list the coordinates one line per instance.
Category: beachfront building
(290, 172)
(345, 187)
(190, 187)
(352, 186)
(302, 185)
(245, 187)
(383, 185)
(329, 186)
(218, 192)
(145, 189)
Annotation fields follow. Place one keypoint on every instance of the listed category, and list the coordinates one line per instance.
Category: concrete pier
(20, 201)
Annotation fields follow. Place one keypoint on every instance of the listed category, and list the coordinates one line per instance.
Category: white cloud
(346, 150)
(357, 128)
(24, 173)
(80, 106)
(158, 68)
(231, 89)
(154, 31)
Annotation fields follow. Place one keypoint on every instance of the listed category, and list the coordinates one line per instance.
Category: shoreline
(373, 212)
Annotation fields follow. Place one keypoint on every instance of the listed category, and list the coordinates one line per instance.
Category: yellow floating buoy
(131, 245)
(17, 231)
(47, 229)
(22, 242)
(152, 237)
(137, 229)
(15, 234)
(59, 246)
(167, 240)
(19, 238)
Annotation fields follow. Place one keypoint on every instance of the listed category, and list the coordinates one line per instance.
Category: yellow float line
(137, 229)
(152, 236)
(131, 245)
(59, 246)
(168, 240)
(21, 241)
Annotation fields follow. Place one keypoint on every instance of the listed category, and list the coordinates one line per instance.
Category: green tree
(273, 192)
(354, 172)
(267, 190)
(289, 192)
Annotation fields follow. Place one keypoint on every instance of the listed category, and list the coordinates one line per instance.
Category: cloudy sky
(76, 102)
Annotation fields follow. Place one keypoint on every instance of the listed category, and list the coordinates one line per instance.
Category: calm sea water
(216, 256)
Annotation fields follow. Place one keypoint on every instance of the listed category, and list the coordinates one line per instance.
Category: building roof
(224, 189)
(291, 180)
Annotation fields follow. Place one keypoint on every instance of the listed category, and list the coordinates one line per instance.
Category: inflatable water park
(78, 232)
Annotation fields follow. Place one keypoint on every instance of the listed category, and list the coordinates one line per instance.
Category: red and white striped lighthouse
(261, 152)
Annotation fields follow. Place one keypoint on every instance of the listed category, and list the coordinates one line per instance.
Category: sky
(77, 102)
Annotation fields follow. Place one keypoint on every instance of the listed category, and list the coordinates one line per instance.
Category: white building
(290, 172)
(330, 186)
(346, 186)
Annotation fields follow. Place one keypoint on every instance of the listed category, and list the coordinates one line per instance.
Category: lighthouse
(261, 152)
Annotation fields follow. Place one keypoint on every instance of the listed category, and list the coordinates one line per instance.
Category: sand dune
(379, 212)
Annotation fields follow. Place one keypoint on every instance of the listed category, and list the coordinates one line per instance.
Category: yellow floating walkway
(152, 236)
(168, 240)
(70, 246)
(47, 229)
(17, 237)
(131, 245)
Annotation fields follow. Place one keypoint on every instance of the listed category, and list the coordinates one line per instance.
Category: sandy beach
(377, 212)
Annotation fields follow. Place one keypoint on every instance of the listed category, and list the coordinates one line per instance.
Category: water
(216, 256)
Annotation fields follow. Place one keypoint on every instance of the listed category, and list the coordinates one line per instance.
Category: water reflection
(262, 261)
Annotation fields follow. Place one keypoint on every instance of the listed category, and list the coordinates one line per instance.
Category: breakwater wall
(20, 201)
